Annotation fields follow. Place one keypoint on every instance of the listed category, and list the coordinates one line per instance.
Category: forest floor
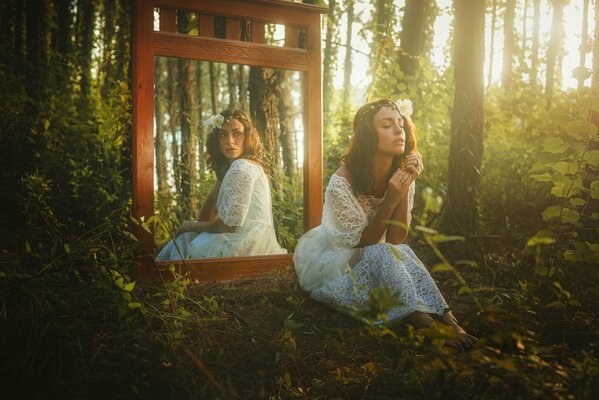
(266, 338)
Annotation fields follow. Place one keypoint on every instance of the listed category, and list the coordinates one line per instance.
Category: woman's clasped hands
(400, 181)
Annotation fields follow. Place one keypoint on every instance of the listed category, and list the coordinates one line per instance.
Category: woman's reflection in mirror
(236, 218)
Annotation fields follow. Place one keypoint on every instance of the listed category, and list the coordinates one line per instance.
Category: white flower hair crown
(215, 121)
(404, 107)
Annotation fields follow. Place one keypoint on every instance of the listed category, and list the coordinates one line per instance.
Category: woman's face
(231, 139)
(389, 126)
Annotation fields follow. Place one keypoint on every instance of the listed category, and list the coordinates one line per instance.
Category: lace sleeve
(411, 192)
(343, 219)
(236, 193)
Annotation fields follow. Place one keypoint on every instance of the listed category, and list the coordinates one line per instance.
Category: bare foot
(464, 340)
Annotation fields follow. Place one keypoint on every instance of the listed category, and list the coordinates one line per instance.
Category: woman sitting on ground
(236, 218)
(355, 249)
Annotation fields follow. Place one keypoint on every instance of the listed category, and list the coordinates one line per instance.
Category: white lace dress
(244, 202)
(336, 272)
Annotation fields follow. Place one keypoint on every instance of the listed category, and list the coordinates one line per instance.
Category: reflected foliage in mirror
(188, 92)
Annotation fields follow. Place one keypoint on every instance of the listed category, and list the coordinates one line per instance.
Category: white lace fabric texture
(338, 273)
(244, 202)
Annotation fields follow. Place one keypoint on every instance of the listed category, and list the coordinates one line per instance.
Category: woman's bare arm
(395, 233)
(214, 226)
(208, 211)
(396, 189)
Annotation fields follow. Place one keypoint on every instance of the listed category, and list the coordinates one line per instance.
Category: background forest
(506, 211)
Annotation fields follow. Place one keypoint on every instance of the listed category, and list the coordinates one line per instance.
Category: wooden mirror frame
(148, 43)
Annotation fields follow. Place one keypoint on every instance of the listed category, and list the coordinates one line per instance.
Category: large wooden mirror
(275, 39)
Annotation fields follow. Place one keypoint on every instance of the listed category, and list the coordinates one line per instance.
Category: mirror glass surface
(188, 92)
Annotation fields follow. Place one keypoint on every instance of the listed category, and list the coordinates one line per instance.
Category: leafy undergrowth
(96, 334)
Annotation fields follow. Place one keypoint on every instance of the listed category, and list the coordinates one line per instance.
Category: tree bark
(508, 44)
(18, 46)
(85, 17)
(37, 52)
(159, 140)
(492, 49)
(6, 45)
(416, 25)
(231, 83)
(188, 123)
(380, 26)
(286, 126)
(64, 19)
(328, 60)
(595, 75)
(243, 88)
(263, 109)
(214, 76)
(123, 70)
(534, 53)
(584, 37)
(107, 50)
(593, 204)
(173, 113)
(465, 157)
(199, 85)
(61, 39)
(553, 57)
(522, 57)
(348, 52)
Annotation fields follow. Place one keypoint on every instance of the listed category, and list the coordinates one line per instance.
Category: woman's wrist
(392, 201)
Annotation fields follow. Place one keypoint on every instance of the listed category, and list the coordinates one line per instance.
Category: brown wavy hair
(252, 147)
(359, 157)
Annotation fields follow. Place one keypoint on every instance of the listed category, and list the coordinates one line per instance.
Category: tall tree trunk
(595, 74)
(107, 50)
(86, 12)
(18, 46)
(159, 140)
(214, 76)
(123, 70)
(263, 109)
(173, 113)
(286, 126)
(465, 156)
(37, 51)
(62, 41)
(553, 56)
(188, 123)
(64, 19)
(328, 61)
(492, 46)
(243, 88)
(199, 84)
(232, 86)
(522, 56)
(534, 53)
(380, 26)
(415, 27)
(508, 44)
(242, 83)
(584, 37)
(348, 52)
(7, 11)
(593, 204)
